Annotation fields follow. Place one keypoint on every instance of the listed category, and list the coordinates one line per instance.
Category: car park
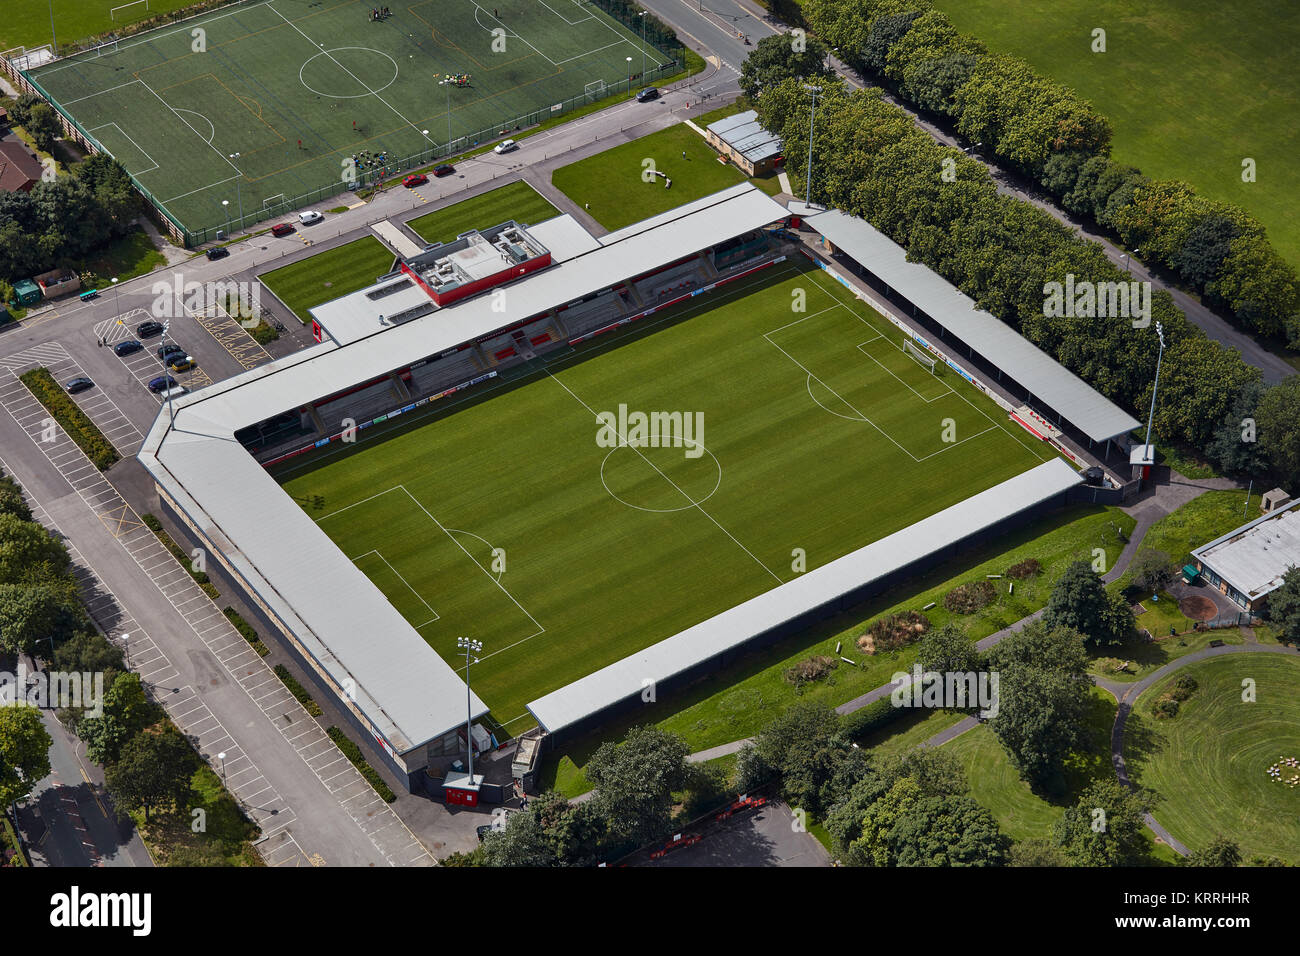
(79, 384)
(161, 383)
(446, 169)
(310, 218)
(165, 352)
(181, 362)
(648, 94)
(147, 330)
(505, 146)
(282, 229)
(217, 252)
(419, 179)
(128, 347)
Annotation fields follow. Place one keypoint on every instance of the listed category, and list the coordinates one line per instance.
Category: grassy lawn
(328, 275)
(1183, 93)
(737, 703)
(132, 255)
(28, 22)
(226, 840)
(910, 731)
(518, 201)
(1209, 763)
(611, 181)
(612, 549)
(1198, 522)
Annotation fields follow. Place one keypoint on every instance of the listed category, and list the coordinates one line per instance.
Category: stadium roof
(1048, 380)
(1254, 557)
(406, 690)
(746, 135)
(733, 628)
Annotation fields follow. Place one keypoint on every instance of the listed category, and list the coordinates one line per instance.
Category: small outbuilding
(1248, 564)
(742, 140)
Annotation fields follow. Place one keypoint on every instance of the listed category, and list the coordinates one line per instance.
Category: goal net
(132, 10)
(595, 89)
(922, 357)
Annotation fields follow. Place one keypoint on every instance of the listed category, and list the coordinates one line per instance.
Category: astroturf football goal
(923, 358)
(595, 89)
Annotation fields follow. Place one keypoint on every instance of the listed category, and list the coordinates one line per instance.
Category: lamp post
(126, 649)
(222, 757)
(425, 134)
(629, 73)
(642, 16)
(1128, 260)
(238, 192)
(469, 646)
(1160, 334)
(812, 119)
(117, 296)
(225, 207)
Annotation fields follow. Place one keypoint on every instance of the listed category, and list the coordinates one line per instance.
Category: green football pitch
(820, 435)
(265, 107)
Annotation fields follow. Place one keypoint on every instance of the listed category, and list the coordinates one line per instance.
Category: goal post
(127, 6)
(922, 357)
(595, 89)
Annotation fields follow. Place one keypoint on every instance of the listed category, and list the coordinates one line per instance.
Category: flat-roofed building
(1248, 564)
(745, 142)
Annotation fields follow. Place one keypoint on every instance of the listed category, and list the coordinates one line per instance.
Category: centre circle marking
(352, 96)
(693, 503)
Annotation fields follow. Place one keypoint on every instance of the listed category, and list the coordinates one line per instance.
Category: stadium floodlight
(447, 83)
(238, 192)
(812, 119)
(1160, 334)
(53, 35)
(470, 646)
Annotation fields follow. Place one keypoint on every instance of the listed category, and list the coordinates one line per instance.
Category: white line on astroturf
(623, 442)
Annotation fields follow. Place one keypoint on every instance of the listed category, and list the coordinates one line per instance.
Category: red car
(282, 229)
(419, 179)
(446, 169)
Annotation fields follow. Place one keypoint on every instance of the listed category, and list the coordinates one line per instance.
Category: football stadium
(617, 463)
(264, 106)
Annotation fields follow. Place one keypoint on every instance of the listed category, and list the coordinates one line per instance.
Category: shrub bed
(299, 692)
(893, 631)
(969, 598)
(814, 668)
(246, 629)
(1024, 569)
(353, 753)
(71, 418)
(200, 577)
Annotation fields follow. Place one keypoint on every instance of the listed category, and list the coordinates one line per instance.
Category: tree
(1284, 606)
(1080, 602)
(635, 781)
(24, 752)
(1151, 569)
(31, 614)
(1235, 446)
(947, 649)
(1203, 251)
(154, 770)
(1104, 828)
(1043, 698)
(883, 33)
(1278, 420)
(1259, 286)
(804, 747)
(28, 553)
(948, 831)
(1218, 852)
(12, 501)
(521, 842)
(1200, 382)
(126, 712)
(573, 831)
(43, 123)
(774, 58)
(1038, 853)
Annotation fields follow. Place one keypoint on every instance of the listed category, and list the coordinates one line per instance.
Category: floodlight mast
(812, 120)
(1160, 333)
(469, 646)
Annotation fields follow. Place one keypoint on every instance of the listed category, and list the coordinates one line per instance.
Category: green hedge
(246, 629)
(200, 577)
(353, 753)
(12, 842)
(71, 418)
(299, 692)
(870, 718)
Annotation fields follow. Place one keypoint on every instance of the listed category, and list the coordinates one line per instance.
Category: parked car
(181, 362)
(147, 330)
(165, 352)
(282, 229)
(79, 384)
(505, 146)
(129, 347)
(446, 169)
(161, 383)
(217, 252)
(418, 179)
(309, 218)
(648, 94)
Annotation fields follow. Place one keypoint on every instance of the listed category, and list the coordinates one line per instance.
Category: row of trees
(61, 222)
(872, 161)
(1045, 131)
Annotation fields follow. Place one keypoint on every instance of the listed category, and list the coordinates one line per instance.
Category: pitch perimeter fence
(658, 35)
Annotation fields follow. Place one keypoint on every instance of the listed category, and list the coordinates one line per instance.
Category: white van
(309, 218)
(176, 392)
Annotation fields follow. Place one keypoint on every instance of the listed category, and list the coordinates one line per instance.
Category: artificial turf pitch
(821, 435)
(281, 83)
